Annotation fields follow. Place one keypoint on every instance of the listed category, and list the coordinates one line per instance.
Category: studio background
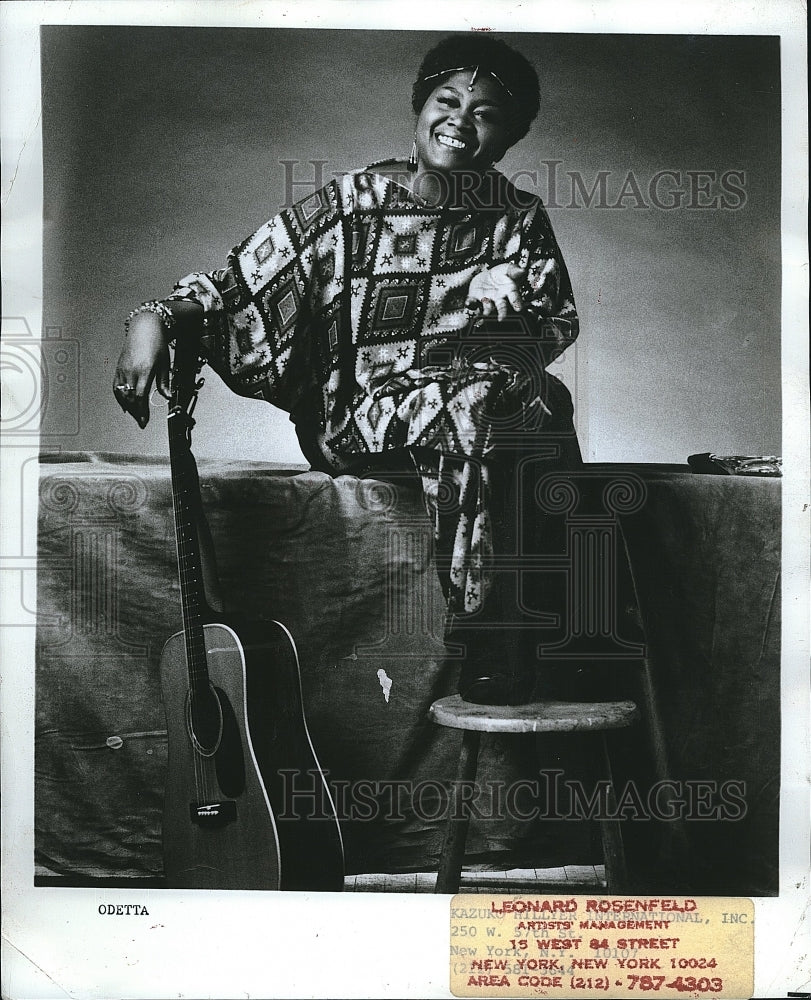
(165, 147)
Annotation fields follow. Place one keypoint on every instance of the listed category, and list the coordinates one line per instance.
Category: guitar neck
(187, 511)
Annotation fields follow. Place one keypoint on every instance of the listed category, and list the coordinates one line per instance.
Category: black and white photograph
(405, 453)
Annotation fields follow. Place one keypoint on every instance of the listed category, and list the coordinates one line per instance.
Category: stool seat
(592, 718)
(534, 717)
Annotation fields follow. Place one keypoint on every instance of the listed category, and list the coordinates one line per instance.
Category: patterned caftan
(347, 310)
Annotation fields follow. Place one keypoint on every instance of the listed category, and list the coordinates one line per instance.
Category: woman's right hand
(144, 360)
(496, 291)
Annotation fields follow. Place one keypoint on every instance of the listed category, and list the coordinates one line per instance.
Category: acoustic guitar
(246, 804)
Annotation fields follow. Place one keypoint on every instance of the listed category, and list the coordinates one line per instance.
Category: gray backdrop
(163, 148)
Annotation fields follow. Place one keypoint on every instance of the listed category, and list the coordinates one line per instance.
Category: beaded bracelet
(154, 306)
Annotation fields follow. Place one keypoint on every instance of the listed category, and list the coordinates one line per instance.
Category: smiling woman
(468, 115)
(462, 126)
(404, 316)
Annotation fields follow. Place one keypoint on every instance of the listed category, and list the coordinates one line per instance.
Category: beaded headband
(459, 69)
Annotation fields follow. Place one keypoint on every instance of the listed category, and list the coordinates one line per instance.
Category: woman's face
(462, 129)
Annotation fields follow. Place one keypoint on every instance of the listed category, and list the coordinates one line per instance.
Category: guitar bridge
(213, 814)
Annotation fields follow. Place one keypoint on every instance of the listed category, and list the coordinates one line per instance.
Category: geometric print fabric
(327, 309)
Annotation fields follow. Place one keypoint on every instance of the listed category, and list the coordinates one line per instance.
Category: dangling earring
(412, 160)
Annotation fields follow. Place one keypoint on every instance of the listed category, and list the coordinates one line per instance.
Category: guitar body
(231, 820)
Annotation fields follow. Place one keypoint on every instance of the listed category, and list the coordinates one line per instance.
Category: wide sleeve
(548, 296)
(261, 309)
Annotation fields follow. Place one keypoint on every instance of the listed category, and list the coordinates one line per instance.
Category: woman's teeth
(446, 140)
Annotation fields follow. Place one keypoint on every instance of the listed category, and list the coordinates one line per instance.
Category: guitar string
(183, 555)
(182, 459)
(193, 628)
(196, 648)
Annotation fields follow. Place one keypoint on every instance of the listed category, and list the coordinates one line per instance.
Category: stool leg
(453, 850)
(616, 875)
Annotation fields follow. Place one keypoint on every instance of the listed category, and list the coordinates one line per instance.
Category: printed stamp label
(579, 946)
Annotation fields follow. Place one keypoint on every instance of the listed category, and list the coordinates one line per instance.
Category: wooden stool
(536, 717)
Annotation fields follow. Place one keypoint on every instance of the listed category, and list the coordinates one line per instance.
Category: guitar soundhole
(204, 721)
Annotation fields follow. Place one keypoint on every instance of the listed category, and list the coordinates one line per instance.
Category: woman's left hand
(495, 290)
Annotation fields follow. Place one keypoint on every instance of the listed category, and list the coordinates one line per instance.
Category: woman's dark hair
(491, 55)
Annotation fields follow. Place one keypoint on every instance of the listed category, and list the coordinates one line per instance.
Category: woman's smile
(462, 125)
(451, 141)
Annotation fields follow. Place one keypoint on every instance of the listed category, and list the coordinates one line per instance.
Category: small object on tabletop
(736, 465)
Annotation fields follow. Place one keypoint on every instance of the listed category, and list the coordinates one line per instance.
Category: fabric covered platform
(705, 554)
(347, 565)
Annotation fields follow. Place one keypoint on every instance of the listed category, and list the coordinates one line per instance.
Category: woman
(376, 311)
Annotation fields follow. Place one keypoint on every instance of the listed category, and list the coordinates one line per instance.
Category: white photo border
(352, 945)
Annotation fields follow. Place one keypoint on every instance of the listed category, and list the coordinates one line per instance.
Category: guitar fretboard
(185, 501)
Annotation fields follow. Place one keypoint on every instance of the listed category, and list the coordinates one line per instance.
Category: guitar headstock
(184, 382)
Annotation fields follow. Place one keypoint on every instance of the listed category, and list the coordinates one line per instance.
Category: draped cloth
(347, 310)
